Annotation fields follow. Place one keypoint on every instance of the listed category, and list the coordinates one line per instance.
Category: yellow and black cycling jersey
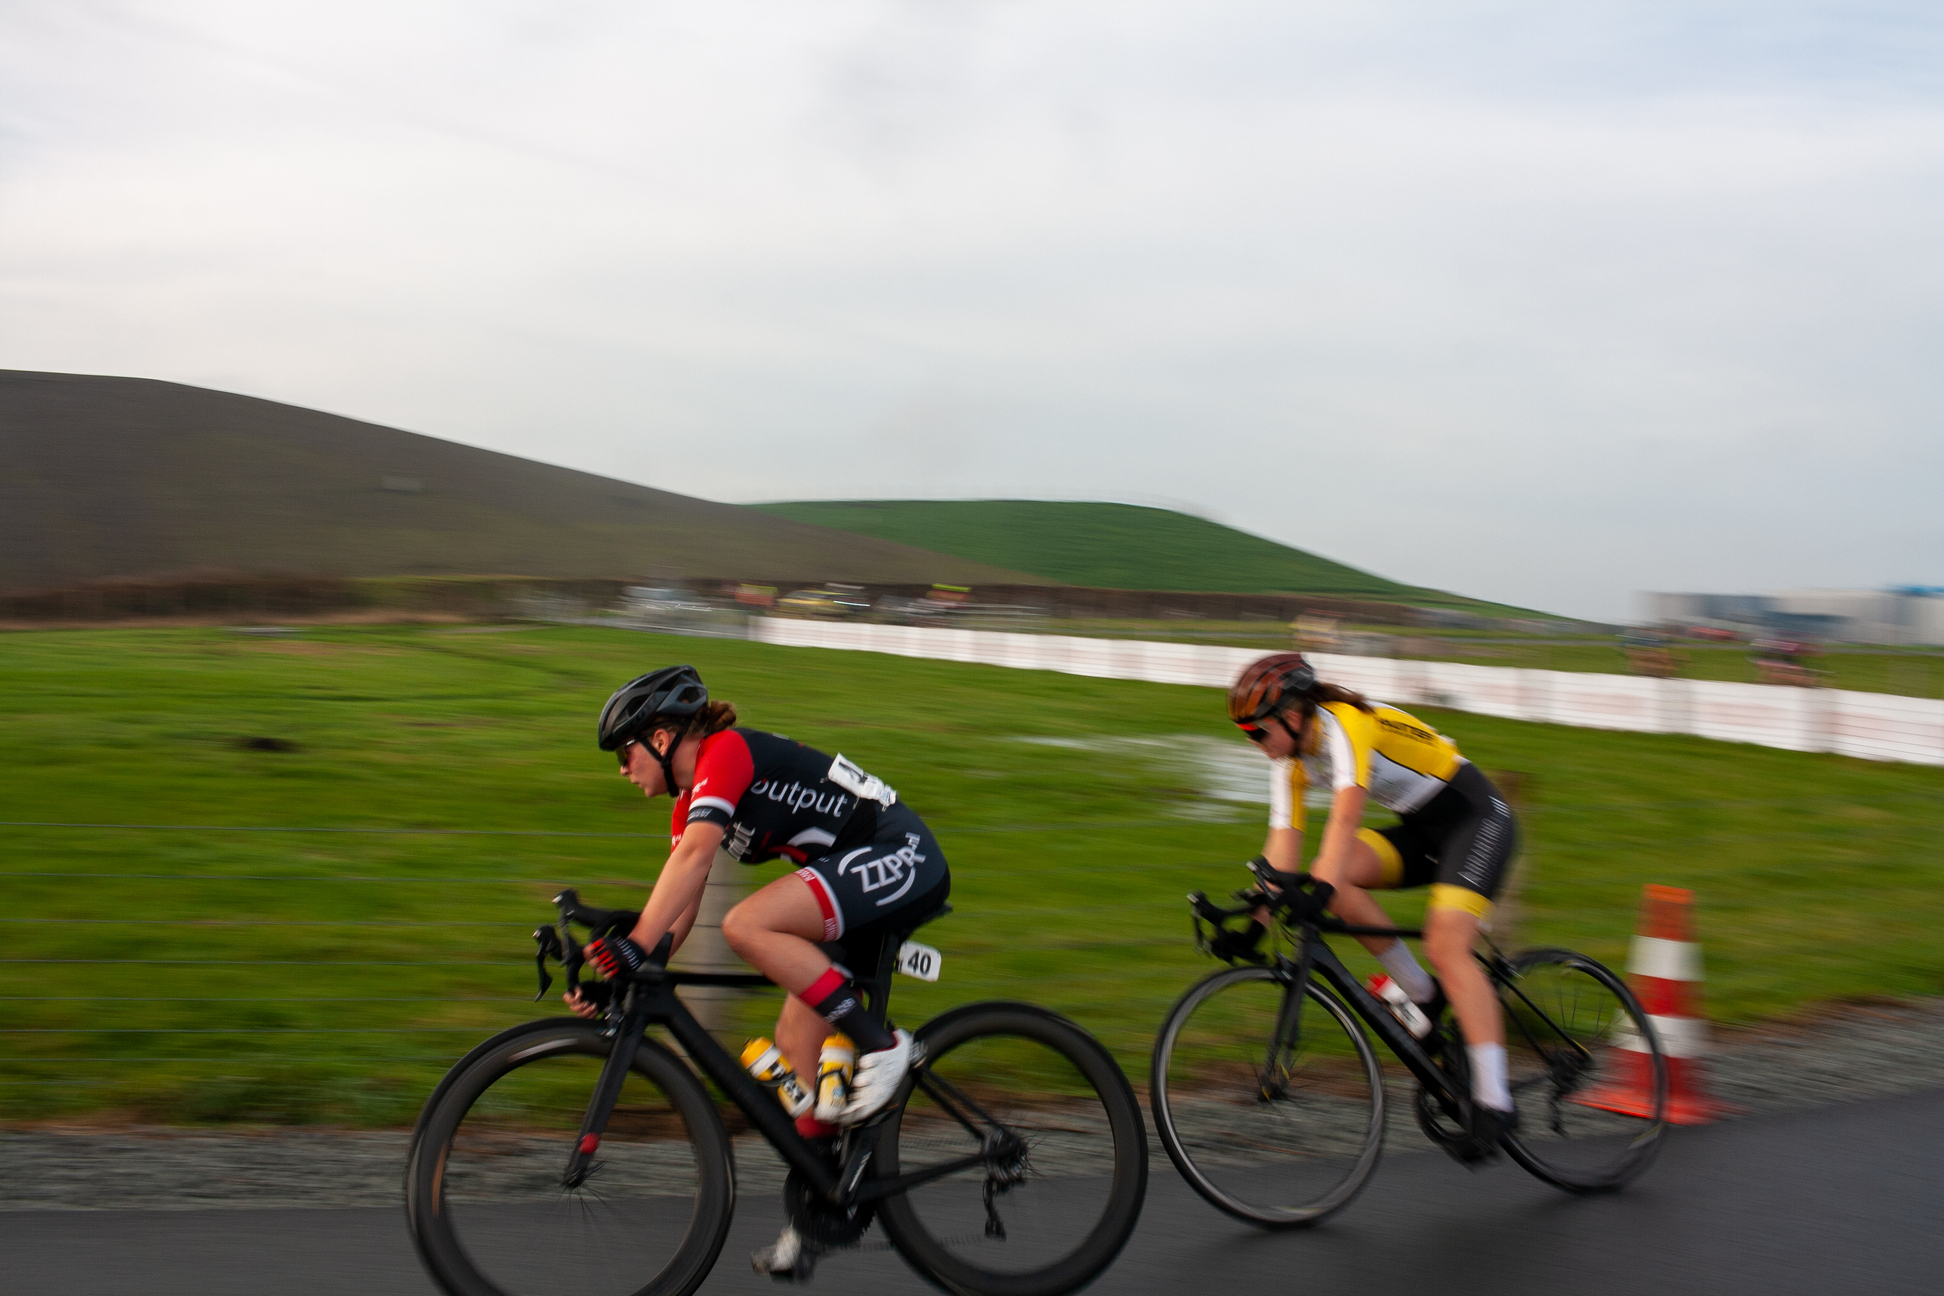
(1398, 759)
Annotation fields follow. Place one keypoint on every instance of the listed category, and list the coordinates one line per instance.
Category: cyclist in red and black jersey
(867, 863)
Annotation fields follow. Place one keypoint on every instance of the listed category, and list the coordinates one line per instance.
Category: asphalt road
(1847, 1198)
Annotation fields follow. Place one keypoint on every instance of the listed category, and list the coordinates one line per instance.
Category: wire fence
(60, 1040)
(228, 989)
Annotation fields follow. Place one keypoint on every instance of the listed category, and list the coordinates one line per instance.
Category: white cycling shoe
(790, 1260)
(878, 1076)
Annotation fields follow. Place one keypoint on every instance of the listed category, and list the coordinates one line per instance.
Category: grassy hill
(1118, 546)
(107, 477)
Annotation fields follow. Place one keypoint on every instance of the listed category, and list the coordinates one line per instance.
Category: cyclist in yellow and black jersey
(1454, 832)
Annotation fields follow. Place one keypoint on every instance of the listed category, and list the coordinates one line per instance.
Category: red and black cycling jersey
(774, 796)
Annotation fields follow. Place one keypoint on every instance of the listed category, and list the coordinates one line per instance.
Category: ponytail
(1319, 693)
(712, 718)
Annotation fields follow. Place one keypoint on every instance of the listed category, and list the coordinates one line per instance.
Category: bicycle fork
(1273, 1083)
(607, 1091)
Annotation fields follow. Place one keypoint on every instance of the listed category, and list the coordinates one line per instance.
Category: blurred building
(1911, 614)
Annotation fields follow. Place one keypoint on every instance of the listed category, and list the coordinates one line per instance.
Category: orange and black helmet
(1267, 685)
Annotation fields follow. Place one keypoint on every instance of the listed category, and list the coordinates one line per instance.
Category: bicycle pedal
(790, 1259)
(1484, 1138)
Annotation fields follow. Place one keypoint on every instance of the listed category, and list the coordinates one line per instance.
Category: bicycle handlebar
(557, 943)
(1204, 909)
(599, 922)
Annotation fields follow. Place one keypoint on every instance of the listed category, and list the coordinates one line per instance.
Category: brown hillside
(110, 477)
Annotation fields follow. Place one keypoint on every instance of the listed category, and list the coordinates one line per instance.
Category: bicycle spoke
(1565, 1011)
(1281, 1144)
(1054, 1161)
(497, 1213)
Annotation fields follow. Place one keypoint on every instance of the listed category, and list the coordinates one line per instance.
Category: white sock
(1411, 979)
(1488, 1076)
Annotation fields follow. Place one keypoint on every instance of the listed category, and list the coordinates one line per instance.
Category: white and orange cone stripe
(1665, 968)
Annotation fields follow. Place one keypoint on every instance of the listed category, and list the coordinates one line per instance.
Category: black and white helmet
(672, 693)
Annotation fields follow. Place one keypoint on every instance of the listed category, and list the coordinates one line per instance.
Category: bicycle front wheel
(1272, 1111)
(1586, 1073)
(1054, 1210)
(486, 1197)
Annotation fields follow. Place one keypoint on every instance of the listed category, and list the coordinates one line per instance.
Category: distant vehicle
(954, 605)
(830, 602)
(1786, 661)
(1719, 634)
(644, 600)
(1649, 653)
(1314, 632)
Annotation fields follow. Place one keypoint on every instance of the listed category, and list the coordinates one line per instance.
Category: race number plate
(921, 961)
(866, 787)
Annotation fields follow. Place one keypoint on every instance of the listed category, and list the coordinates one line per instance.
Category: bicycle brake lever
(1203, 907)
(549, 943)
(571, 960)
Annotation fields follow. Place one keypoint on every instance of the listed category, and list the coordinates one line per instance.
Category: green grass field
(193, 975)
(1118, 546)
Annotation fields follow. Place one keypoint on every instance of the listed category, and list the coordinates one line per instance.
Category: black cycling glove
(1287, 891)
(616, 956)
(1305, 905)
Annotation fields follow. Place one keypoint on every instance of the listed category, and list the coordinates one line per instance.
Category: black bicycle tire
(458, 1068)
(1522, 1152)
(443, 1254)
(1128, 1182)
(1177, 1151)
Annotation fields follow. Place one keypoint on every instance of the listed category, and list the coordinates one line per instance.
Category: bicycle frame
(1314, 955)
(651, 1000)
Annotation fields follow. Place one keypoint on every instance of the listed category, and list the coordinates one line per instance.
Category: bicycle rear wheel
(1576, 1036)
(485, 1196)
(1280, 1135)
(1052, 1216)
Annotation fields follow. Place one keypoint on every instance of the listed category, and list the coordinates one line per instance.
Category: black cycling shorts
(1461, 843)
(869, 891)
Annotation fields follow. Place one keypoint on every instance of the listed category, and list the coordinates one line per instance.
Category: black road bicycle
(1270, 1101)
(571, 1157)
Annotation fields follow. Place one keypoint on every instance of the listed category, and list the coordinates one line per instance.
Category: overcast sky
(1540, 302)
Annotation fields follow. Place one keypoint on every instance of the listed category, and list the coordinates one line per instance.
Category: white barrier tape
(1872, 726)
(1680, 1037)
(1666, 959)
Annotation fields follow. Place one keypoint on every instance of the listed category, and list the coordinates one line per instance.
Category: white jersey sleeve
(1335, 764)
(1287, 780)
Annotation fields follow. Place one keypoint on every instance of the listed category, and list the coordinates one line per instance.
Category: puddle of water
(1225, 774)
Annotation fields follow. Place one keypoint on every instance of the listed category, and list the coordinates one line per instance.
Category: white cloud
(1541, 303)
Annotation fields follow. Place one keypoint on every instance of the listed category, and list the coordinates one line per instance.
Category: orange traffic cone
(1665, 969)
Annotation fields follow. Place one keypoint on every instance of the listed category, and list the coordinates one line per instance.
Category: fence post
(706, 951)
(1507, 911)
